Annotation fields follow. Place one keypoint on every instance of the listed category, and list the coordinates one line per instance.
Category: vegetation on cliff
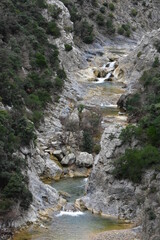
(144, 109)
(29, 75)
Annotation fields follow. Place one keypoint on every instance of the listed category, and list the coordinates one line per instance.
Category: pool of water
(71, 225)
(75, 187)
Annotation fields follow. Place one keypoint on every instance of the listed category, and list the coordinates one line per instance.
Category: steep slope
(130, 191)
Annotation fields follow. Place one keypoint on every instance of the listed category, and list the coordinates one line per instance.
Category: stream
(73, 224)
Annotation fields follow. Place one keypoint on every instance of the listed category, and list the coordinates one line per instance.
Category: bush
(111, 6)
(53, 29)
(156, 62)
(134, 12)
(139, 54)
(54, 11)
(110, 26)
(102, 9)
(87, 141)
(61, 74)
(59, 83)
(157, 46)
(120, 31)
(40, 60)
(100, 19)
(68, 47)
(86, 32)
(133, 162)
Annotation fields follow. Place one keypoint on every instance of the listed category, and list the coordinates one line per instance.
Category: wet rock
(84, 159)
(79, 204)
(100, 73)
(64, 194)
(69, 207)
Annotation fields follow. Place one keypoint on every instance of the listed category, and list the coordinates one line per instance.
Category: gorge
(71, 162)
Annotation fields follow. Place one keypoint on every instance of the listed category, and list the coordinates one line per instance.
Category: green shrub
(100, 19)
(86, 32)
(53, 29)
(134, 12)
(68, 47)
(88, 39)
(133, 162)
(61, 74)
(80, 108)
(105, 4)
(97, 148)
(139, 54)
(156, 62)
(94, 3)
(41, 3)
(87, 141)
(110, 26)
(36, 117)
(157, 46)
(102, 9)
(59, 83)
(54, 11)
(111, 6)
(40, 60)
(120, 31)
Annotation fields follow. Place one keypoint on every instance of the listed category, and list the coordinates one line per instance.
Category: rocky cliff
(123, 198)
(56, 145)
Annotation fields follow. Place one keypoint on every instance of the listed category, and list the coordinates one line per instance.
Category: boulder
(84, 159)
(69, 159)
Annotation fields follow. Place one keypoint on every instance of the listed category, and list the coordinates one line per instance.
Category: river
(76, 225)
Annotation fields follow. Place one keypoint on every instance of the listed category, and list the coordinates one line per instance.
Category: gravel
(116, 235)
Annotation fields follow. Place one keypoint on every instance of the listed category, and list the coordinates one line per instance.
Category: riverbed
(101, 93)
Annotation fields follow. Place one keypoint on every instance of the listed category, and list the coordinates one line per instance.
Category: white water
(70, 213)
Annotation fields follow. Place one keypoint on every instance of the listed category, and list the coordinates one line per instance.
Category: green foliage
(100, 20)
(80, 108)
(124, 30)
(94, 3)
(156, 62)
(134, 12)
(110, 26)
(87, 141)
(53, 29)
(132, 164)
(86, 32)
(61, 74)
(120, 31)
(54, 11)
(59, 83)
(144, 107)
(102, 9)
(133, 104)
(139, 54)
(68, 47)
(24, 43)
(40, 60)
(97, 148)
(111, 6)
(157, 46)
(16, 189)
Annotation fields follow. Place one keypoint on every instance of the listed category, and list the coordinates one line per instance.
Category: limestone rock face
(104, 193)
(140, 60)
(84, 159)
